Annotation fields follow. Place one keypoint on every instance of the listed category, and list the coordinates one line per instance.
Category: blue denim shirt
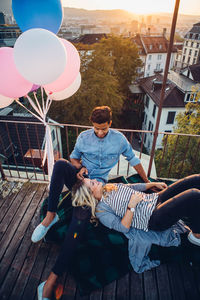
(140, 241)
(100, 155)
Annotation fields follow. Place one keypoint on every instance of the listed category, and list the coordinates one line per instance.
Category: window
(196, 36)
(190, 52)
(150, 56)
(149, 127)
(185, 50)
(188, 98)
(145, 118)
(150, 47)
(195, 53)
(197, 45)
(147, 101)
(147, 74)
(159, 56)
(192, 43)
(188, 60)
(194, 61)
(183, 58)
(157, 66)
(160, 46)
(168, 131)
(145, 138)
(186, 44)
(148, 67)
(191, 35)
(154, 110)
(170, 117)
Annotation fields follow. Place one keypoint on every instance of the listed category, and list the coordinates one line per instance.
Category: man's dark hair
(101, 114)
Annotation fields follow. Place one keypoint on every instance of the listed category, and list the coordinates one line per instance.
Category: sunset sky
(138, 6)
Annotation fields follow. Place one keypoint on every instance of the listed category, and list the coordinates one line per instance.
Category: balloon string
(29, 110)
(37, 102)
(34, 106)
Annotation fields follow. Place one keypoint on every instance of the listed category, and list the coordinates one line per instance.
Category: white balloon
(5, 101)
(40, 56)
(69, 91)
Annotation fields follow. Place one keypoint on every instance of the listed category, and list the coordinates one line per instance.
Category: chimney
(164, 32)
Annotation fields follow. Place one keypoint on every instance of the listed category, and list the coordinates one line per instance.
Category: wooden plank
(150, 287)
(136, 286)
(18, 237)
(122, 290)
(109, 291)
(163, 283)
(191, 289)
(196, 272)
(79, 297)
(20, 254)
(11, 201)
(176, 282)
(8, 198)
(34, 279)
(69, 288)
(12, 219)
(97, 295)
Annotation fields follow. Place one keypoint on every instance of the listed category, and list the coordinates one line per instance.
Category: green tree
(182, 154)
(107, 69)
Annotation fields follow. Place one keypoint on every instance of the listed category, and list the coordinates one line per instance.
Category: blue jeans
(179, 200)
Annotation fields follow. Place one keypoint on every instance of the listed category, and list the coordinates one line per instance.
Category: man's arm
(141, 172)
(82, 170)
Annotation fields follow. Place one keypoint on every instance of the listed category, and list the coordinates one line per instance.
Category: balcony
(24, 265)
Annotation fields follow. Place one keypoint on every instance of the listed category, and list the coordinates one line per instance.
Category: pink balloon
(12, 84)
(5, 101)
(71, 70)
(35, 87)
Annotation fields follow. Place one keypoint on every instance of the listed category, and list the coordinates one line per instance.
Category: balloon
(71, 70)
(5, 101)
(12, 84)
(39, 56)
(46, 14)
(35, 87)
(69, 91)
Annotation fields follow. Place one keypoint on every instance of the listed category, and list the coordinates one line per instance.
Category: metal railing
(22, 149)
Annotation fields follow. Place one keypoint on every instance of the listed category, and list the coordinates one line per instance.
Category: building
(191, 47)
(8, 35)
(153, 53)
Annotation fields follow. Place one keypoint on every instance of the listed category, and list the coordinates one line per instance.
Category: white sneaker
(41, 230)
(40, 291)
(193, 239)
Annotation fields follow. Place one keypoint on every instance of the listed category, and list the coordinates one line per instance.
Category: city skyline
(191, 7)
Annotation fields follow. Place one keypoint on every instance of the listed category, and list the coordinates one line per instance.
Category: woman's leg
(180, 186)
(185, 204)
(64, 173)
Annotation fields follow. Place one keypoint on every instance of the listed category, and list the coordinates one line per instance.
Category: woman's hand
(160, 185)
(135, 199)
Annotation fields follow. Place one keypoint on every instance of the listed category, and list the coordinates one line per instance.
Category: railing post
(162, 94)
(2, 172)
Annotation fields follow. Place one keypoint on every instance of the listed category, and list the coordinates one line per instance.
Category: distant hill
(115, 14)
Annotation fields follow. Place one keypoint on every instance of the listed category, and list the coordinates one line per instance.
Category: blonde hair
(82, 196)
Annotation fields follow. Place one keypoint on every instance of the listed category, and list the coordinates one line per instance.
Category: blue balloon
(45, 14)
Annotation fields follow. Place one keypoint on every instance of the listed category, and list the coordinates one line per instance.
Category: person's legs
(64, 173)
(180, 186)
(185, 204)
(74, 236)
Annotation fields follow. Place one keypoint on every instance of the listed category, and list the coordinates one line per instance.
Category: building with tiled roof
(191, 47)
(174, 102)
(153, 53)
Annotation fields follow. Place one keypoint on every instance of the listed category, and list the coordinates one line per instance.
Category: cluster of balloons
(39, 57)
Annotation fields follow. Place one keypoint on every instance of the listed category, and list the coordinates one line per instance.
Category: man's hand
(135, 199)
(82, 171)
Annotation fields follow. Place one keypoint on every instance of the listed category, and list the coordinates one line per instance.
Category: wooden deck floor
(23, 265)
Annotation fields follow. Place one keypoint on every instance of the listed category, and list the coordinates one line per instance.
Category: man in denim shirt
(96, 151)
